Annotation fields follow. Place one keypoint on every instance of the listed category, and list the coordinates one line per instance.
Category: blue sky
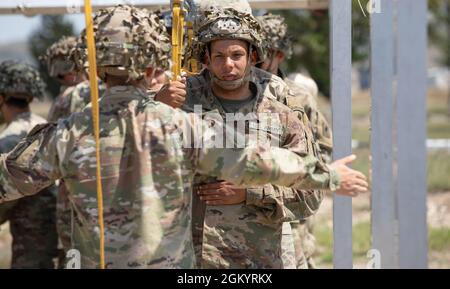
(14, 28)
(17, 28)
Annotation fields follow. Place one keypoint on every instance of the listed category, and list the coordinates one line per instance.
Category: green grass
(438, 171)
(361, 239)
(362, 162)
(439, 239)
(439, 130)
(324, 237)
(437, 109)
(360, 111)
(438, 168)
(361, 133)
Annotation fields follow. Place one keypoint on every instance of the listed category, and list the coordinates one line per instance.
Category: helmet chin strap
(232, 84)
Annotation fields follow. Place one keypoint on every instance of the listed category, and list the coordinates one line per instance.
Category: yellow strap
(95, 117)
(191, 66)
(177, 37)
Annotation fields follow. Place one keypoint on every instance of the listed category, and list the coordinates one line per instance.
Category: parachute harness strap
(177, 37)
(96, 122)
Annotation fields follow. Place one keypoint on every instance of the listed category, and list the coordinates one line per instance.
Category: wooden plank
(30, 8)
(411, 132)
(341, 61)
(382, 120)
(289, 4)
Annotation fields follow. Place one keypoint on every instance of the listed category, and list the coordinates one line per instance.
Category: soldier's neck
(111, 82)
(12, 112)
(241, 93)
(274, 70)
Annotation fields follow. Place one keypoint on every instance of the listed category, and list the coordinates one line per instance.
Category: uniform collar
(255, 86)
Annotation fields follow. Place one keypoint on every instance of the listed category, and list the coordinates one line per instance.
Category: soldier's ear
(207, 57)
(149, 72)
(281, 56)
(254, 57)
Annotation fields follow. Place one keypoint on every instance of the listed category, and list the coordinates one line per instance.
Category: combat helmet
(59, 57)
(275, 34)
(216, 23)
(128, 40)
(20, 80)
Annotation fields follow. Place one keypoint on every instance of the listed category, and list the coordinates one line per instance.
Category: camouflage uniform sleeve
(257, 166)
(31, 166)
(263, 165)
(323, 134)
(296, 203)
(301, 203)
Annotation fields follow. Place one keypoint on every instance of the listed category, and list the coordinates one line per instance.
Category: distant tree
(51, 30)
(439, 28)
(311, 32)
(439, 32)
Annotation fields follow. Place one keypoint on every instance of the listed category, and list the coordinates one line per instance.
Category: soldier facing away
(31, 219)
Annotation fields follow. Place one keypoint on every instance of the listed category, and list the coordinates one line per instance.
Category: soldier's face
(156, 78)
(272, 63)
(228, 59)
(70, 79)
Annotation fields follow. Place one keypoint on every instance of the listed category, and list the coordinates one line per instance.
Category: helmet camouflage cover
(20, 80)
(240, 5)
(128, 40)
(275, 34)
(58, 57)
(215, 23)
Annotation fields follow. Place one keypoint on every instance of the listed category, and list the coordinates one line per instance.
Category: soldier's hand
(222, 193)
(173, 94)
(352, 181)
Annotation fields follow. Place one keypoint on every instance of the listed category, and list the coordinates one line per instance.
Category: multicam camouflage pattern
(72, 99)
(20, 80)
(303, 99)
(306, 83)
(31, 219)
(240, 5)
(303, 90)
(250, 235)
(275, 34)
(59, 57)
(299, 99)
(217, 23)
(147, 178)
(306, 94)
(304, 243)
(128, 40)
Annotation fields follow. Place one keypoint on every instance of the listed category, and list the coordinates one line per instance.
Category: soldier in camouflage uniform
(304, 99)
(31, 219)
(238, 227)
(278, 48)
(74, 96)
(62, 67)
(149, 159)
